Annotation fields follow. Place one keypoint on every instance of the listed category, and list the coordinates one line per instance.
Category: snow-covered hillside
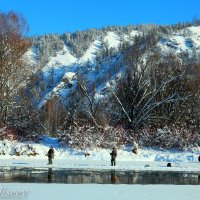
(184, 41)
(65, 62)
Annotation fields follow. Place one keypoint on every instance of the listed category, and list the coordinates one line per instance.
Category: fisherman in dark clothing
(113, 156)
(50, 155)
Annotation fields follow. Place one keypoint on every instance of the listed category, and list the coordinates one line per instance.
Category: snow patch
(134, 33)
(112, 39)
(62, 58)
(186, 40)
(31, 56)
(90, 54)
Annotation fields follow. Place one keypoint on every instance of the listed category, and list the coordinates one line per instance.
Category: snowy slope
(112, 39)
(90, 54)
(63, 58)
(64, 63)
(184, 41)
(31, 56)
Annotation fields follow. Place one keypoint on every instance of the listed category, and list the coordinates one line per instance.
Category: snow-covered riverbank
(146, 159)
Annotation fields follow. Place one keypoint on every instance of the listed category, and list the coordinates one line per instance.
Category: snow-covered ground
(99, 192)
(65, 157)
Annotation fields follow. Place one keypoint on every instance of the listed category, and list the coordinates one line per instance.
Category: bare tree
(87, 99)
(150, 86)
(52, 116)
(13, 69)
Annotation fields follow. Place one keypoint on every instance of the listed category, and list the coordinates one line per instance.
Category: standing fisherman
(113, 156)
(50, 155)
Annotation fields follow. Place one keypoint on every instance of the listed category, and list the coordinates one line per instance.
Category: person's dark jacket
(50, 153)
(113, 154)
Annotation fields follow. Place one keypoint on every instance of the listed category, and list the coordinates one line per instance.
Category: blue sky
(59, 16)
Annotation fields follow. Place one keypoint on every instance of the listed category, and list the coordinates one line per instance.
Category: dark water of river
(72, 176)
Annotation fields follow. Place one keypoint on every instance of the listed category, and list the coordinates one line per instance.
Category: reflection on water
(113, 176)
(50, 175)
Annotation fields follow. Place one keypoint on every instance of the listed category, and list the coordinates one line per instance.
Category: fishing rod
(43, 148)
